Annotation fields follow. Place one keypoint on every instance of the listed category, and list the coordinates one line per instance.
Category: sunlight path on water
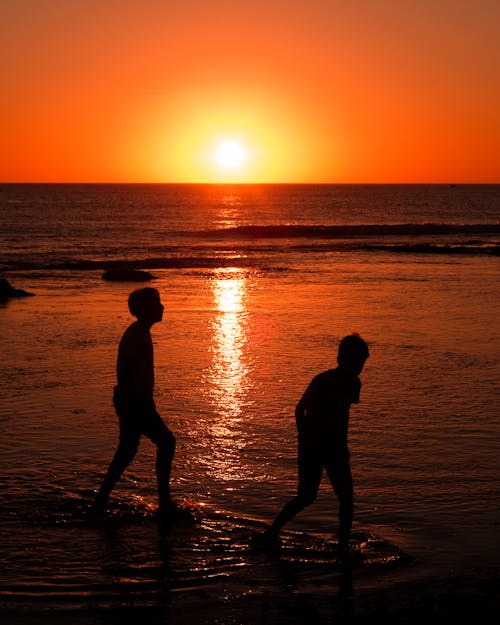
(228, 375)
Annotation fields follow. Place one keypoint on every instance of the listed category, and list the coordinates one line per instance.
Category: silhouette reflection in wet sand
(134, 404)
(322, 417)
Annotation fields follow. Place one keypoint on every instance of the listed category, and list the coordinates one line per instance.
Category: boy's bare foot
(172, 511)
(267, 539)
(347, 552)
(98, 505)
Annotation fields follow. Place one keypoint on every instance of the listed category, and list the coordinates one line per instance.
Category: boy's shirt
(326, 402)
(135, 363)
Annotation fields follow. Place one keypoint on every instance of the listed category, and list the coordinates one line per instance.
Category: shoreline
(430, 600)
(302, 582)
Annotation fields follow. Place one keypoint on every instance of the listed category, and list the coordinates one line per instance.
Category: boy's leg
(310, 471)
(127, 448)
(155, 429)
(341, 479)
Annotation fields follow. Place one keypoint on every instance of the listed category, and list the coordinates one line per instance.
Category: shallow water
(234, 353)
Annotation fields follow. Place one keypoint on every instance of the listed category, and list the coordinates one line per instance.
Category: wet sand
(428, 601)
(234, 580)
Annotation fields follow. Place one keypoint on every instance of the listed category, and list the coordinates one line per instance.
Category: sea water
(259, 283)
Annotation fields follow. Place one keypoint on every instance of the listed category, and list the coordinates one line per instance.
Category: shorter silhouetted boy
(134, 404)
(322, 417)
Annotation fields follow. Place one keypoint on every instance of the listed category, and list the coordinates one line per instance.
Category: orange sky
(314, 90)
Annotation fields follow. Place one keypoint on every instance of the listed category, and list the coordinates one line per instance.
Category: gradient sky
(314, 90)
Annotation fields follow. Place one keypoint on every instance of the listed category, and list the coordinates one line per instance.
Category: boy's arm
(300, 414)
(128, 353)
(307, 399)
(304, 403)
(134, 369)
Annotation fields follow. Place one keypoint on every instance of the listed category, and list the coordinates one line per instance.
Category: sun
(230, 155)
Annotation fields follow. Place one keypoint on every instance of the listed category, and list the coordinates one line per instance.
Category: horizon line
(240, 183)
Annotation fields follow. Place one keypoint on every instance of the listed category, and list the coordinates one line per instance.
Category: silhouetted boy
(322, 417)
(134, 404)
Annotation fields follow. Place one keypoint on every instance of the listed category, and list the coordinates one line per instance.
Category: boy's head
(353, 352)
(145, 304)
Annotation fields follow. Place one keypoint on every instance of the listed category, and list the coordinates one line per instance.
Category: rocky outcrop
(7, 290)
(127, 275)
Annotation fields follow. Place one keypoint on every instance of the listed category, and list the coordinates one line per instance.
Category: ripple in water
(60, 556)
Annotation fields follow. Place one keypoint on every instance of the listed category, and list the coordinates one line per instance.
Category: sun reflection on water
(228, 366)
(229, 371)
(229, 210)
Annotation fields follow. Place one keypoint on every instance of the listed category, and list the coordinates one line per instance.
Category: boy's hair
(140, 300)
(352, 346)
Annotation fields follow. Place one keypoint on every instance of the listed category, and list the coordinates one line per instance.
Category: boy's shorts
(139, 416)
(316, 454)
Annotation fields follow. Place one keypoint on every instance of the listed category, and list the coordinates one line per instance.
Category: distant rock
(127, 275)
(7, 290)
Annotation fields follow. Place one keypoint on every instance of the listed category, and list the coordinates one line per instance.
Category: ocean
(259, 283)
